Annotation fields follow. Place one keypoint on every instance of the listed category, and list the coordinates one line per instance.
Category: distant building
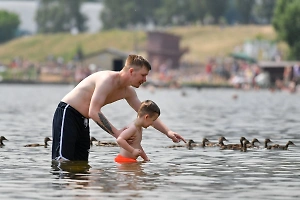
(276, 69)
(106, 59)
(163, 50)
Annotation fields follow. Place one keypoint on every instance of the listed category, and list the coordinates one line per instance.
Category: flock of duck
(242, 146)
(47, 139)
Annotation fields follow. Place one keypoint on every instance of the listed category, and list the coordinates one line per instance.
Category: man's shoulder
(104, 76)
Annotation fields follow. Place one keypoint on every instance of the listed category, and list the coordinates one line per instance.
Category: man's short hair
(148, 107)
(136, 61)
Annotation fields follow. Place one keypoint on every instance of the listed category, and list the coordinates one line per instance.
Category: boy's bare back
(134, 133)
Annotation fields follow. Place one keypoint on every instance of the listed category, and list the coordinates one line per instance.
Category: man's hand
(175, 137)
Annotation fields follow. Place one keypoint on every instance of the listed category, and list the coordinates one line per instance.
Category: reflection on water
(178, 173)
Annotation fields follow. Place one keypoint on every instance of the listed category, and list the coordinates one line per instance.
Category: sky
(26, 11)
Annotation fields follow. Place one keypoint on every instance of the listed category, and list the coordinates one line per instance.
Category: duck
(252, 144)
(46, 140)
(188, 145)
(219, 143)
(103, 143)
(107, 144)
(245, 143)
(93, 139)
(1, 141)
(204, 141)
(266, 142)
(281, 147)
(202, 144)
(234, 146)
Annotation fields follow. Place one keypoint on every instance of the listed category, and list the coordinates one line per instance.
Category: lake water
(27, 173)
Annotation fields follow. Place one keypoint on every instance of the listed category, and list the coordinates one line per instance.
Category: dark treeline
(123, 14)
(53, 16)
(64, 15)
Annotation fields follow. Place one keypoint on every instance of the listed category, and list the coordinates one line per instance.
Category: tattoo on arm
(105, 124)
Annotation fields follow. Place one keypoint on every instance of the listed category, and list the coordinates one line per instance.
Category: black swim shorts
(70, 134)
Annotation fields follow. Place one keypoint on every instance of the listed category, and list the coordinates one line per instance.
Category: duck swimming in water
(46, 140)
(203, 144)
(266, 142)
(252, 144)
(107, 144)
(234, 146)
(245, 143)
(1, 141)
(188, 145)
(215, 144)
(281, 147)
(93, 139)
(102, 143)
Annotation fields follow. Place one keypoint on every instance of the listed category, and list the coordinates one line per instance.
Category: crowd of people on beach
(237, 73)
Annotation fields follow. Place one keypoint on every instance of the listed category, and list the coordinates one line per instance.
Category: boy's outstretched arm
(122, 141)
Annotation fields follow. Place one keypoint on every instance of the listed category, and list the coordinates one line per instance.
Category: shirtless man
(70, 129)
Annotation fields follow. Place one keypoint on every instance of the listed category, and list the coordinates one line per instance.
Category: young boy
(147, 114)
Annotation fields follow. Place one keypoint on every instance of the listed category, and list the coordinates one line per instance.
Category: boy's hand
(175, 137)
(136, 152)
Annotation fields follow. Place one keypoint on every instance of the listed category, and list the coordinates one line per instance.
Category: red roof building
(164, 49)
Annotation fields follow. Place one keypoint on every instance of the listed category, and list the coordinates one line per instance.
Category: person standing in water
(146, 116)
(70, 127)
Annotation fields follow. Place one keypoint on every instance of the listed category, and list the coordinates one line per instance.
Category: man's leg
(83, 141)
(64, 133)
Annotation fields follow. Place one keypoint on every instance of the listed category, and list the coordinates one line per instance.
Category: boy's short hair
(136, 61)
(148, 107)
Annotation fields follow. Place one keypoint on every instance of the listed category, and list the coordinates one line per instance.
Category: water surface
(26, 113)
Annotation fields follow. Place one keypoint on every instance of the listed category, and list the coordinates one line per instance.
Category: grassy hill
(202, 41)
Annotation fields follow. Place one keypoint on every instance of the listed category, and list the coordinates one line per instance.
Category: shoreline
(34, 82)
(196, 85)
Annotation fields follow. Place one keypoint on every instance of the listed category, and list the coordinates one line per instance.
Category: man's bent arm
(97, 102)
(105, 124)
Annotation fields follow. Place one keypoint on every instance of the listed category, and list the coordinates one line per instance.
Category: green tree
(180, 12)
(120, 14)
(54, 16)
(9, 23)
(245, 9)
(286, 22)
(217, 8)
(171, 12)
(263, 11)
